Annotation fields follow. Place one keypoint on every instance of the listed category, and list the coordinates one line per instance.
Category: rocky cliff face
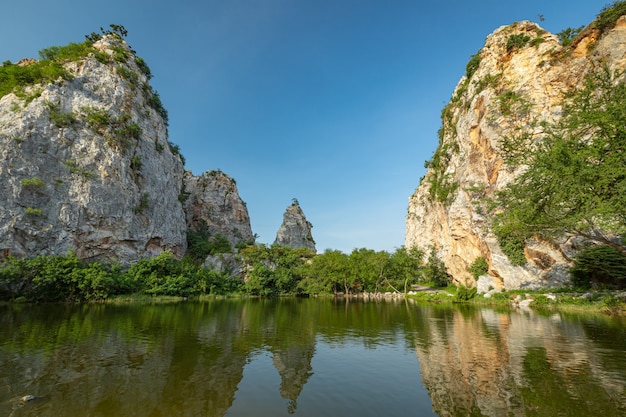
(213, 204)
(509, 87)
(295, 231)
(86, 165)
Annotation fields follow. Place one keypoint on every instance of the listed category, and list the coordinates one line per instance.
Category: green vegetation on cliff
(575, 181)
(15, 78)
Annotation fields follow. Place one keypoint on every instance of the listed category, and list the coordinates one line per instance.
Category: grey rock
(107, 191)
(212, 203)
(295, 231)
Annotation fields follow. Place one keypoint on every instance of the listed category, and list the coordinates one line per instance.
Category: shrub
(154, 101)
(57, 117)
(599, 265)
(608, 16)
(33, 211)
(478, 267)
(74, 168)
(516, 41)
(511, 244)
(164, 275)
(510, 101)
(143, 67)
(472, 65)
(566, 36)
(32, 183)
(129, 75)
(97, 119)
(464, 294)
(135, 163)
(175, 149)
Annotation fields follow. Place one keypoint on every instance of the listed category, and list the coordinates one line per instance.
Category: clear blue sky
(333, 102)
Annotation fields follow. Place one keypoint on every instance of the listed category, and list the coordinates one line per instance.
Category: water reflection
(189, 359)
(481, 362)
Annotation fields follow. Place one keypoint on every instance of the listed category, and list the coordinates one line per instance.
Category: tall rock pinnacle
(295, 231)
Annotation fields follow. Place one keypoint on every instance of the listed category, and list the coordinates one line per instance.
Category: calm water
(308, 357)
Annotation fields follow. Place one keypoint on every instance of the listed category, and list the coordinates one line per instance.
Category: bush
(68, 53)
(608, 16)
(566, 36)
(599, 266)
(32, 183)
(164, 275)
(472, 65)
(66, 278)
(55, 278)
(478, 267)
(464, 294)
(143, 67)
(516, 41)
(14, 77)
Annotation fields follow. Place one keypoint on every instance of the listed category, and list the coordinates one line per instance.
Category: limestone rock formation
(507, 88)
(212, 204)
(295, 231)
(85, 164)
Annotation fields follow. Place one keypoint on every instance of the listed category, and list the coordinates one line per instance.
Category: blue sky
(333, 102)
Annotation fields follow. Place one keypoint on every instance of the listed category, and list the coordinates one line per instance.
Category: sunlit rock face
(511, 90)
(295, 231)
(213, 203)
(86, 166)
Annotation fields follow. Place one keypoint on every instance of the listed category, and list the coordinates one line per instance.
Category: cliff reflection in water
(481, 362)
(327, 358)
(157, 360)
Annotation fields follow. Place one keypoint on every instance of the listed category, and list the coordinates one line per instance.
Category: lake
(307, 357)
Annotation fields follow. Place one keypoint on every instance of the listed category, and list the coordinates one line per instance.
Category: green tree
(274, 270)
(435, 270)
(327, 273)
(575, 181)
(366, 270)
(567, 35)
(405, 267)
(599, 265)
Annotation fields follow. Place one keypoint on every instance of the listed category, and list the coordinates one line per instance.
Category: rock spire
(295, 231)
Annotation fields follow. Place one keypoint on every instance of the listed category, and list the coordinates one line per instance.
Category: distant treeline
(267, 271)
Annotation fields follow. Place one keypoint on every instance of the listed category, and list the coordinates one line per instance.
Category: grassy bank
(562, 299)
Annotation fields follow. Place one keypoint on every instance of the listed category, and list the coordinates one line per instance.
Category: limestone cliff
(515, 82)
(86, 164)
(295, 231)
(213, 204)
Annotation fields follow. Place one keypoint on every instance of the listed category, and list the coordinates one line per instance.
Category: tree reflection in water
(189, 359)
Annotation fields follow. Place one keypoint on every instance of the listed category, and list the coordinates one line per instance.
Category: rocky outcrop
(86, 165)
(509, 87)
(295, 231)
(213, 206)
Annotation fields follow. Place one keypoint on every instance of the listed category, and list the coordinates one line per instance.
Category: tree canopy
(575, 177)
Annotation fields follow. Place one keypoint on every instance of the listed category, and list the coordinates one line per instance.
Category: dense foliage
(268, 271)
(67, 278)
(575, 181)
(599, 266)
